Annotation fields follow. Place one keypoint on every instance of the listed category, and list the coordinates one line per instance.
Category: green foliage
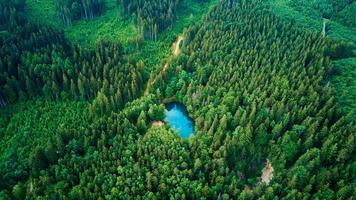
(100, 104)
(347, 15)
(308, 14)
(156, 112)
(61, 72)
(75, 125)
(323, 8)
(113, 25)
(282, 109)
(44, 12)
(38, 160)
(69, 10)
(151, 16)
(11, 12)
(25, 126)
(344, 82)
(19, 191)
(38, 119)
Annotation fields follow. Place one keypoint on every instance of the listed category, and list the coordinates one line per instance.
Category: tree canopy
(75, 122)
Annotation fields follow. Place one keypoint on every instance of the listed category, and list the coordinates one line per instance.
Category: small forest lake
(176, 116)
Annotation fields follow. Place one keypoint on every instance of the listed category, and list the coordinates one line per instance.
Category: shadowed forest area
(269, 86)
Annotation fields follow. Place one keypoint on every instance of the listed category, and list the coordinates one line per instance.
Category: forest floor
(175, 53)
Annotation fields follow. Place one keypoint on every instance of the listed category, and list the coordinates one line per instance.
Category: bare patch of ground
(176, 45)
(267, 173)
(157, 124)
(195, 95)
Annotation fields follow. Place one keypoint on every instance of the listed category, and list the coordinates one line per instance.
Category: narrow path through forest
(324, 26)
(175, 53)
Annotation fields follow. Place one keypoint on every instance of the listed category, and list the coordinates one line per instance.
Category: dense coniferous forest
(88, 121)
(250, 108)
(151, 16)
(70, 10)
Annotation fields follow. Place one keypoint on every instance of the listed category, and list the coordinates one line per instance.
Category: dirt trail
(325, 21)
(175, 53)
(176, 45)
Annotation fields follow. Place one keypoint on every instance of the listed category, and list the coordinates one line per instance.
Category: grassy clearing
(110, 26)
(113, 26)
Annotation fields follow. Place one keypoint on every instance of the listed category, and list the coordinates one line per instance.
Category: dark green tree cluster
(347, 15)
(84, 75)
(69, 10)
(11, 13)
(151, 16)
(106, 74)
(22, 44)
(39, 61)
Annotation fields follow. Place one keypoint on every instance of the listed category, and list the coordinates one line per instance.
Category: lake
(177, 117)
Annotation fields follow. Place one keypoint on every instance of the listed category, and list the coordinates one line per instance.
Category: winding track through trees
(175, 53)
(324, 27)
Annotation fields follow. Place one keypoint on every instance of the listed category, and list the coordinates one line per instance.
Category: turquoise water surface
(177, 117)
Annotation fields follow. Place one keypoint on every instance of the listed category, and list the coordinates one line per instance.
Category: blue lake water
(177, 117)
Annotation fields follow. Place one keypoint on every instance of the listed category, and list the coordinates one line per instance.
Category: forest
(151, 16)
(84, 87)
(70, 10)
